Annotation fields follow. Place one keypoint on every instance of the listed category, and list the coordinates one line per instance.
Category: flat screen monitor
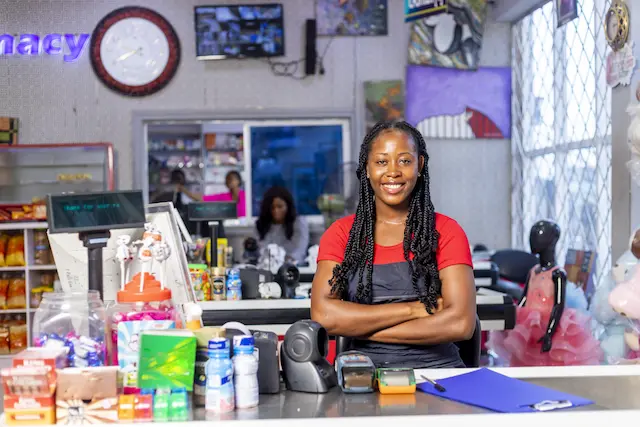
(239, 31)
(77, 213)
(212, 211)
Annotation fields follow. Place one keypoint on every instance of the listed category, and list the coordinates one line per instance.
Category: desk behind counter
(496, 312)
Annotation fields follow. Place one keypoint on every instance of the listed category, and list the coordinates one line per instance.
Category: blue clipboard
(490, 390)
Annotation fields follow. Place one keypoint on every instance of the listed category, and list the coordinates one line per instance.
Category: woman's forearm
(350, 319)
(445, 326)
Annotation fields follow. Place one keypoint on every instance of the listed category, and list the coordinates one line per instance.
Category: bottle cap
(218, 344)
(243, 344)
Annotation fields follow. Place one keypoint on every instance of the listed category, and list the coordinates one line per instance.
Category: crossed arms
(402, 322)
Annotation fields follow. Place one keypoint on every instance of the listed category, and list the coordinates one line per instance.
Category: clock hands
(128, 54)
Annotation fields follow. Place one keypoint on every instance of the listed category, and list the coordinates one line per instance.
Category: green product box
(167, 359)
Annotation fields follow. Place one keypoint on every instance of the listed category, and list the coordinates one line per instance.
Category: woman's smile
(393, 188)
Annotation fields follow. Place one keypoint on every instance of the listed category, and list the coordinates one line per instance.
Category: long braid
(420, 235)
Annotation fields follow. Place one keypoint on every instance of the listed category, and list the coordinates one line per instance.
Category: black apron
(392, 283)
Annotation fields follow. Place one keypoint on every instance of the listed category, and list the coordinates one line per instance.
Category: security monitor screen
(239, 31)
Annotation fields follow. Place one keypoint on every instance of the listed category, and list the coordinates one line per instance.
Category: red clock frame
(135, 12)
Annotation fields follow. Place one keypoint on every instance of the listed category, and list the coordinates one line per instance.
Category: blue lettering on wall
(69, 45)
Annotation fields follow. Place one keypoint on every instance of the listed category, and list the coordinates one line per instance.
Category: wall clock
(616, 25)
(135, 51)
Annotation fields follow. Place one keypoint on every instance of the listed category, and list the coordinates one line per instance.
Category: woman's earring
(419, 174)
(368, 176)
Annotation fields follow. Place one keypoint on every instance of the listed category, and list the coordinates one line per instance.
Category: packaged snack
(16, 295)
(4, 340)
(17, 338)
(29, 381)
(15, 252)
(3, 249)
(55, 358)
(41, 249)
(4, 288)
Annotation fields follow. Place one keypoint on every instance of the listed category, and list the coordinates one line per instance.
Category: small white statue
(124, 255)
(161, 252)
(150, 238)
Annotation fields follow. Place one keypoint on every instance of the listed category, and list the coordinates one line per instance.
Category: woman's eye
(405, 161)
(381, 162)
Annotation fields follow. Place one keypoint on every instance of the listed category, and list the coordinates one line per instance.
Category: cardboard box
(28, 411)
(39, 356)
(75, 411)
(8, 131)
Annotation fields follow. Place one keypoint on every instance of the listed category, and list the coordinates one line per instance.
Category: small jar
(218, 286)
(136, 311)
(75, 320)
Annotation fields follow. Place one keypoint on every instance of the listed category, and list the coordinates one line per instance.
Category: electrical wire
(290, 68)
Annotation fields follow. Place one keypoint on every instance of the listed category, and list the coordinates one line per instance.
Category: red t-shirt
(453, 245)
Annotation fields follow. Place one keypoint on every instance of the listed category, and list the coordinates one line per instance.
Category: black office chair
(469, 349)
(513, 269)
(514, 265)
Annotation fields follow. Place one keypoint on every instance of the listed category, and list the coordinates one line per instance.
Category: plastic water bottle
(245, 366)
(234, 285)
(219, 368)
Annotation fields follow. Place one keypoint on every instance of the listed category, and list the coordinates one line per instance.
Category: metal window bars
(561, 130)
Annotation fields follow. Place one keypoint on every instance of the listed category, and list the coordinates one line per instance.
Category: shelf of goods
(26, 271)
(204, 152)
(31, 171)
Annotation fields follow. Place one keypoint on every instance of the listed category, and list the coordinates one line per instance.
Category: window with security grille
(562, 130)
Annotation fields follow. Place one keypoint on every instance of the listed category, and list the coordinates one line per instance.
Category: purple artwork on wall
(451, 103)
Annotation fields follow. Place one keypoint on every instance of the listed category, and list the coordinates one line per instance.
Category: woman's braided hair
(420, 235)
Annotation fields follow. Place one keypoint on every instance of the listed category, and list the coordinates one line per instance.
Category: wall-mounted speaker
(310, 52)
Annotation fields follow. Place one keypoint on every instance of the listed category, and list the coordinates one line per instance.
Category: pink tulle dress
(572, 343)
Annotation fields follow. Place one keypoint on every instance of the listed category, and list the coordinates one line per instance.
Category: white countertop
(583, 418)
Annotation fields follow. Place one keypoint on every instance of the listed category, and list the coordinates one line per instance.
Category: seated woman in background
(279, 223)
(233, 181)
(396, 277)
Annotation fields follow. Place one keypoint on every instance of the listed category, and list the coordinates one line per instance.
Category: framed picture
(566, 11)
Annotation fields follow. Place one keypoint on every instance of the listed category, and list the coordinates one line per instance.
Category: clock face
(135, 51)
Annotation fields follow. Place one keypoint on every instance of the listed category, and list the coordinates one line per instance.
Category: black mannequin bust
(543, 239)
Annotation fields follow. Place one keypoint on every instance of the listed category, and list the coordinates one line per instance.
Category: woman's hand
(420, 311)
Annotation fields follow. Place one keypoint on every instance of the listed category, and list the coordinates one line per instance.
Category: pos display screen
(78, 213)
(212, 211)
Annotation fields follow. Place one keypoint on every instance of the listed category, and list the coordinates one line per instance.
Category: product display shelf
(205, 152)
(31, 272)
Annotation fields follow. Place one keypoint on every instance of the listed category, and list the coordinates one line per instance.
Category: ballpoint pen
(437, 386)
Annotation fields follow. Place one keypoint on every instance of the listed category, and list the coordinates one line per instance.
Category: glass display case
(33, 171)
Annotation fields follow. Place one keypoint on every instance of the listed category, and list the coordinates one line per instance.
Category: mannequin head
(543, 239)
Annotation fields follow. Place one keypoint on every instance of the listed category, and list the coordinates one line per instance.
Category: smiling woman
(396, 276)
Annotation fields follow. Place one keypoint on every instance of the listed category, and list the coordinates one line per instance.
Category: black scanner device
(303, 358)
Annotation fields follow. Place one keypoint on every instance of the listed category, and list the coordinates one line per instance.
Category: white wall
(59, 102)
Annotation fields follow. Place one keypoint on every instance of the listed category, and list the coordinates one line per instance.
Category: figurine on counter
(610, 327)
(124, 255)
(150, 238)
(625, 297)
(161, 252)
(547, 333)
